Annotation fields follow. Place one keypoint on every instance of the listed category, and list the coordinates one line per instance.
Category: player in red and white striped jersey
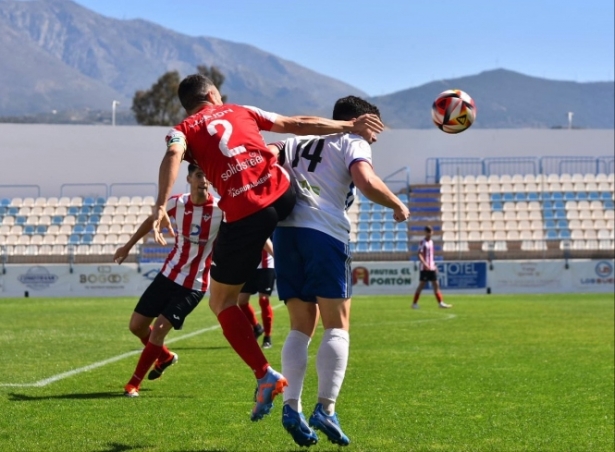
(183, 280)
(255, 194)
(428, 271)
(262, 282)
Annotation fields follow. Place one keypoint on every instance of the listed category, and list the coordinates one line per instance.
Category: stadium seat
(363, 226)
(362, 247)
(401, 236)
(388, 247)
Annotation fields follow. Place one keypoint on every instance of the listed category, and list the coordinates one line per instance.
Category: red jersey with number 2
(225, 142)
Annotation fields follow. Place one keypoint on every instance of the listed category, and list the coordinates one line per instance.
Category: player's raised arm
(122, 252)
(375, 190)
(366, 125)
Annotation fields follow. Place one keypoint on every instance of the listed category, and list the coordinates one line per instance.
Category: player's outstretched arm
(366, 125)
(122, 252)
(169, 168)
(375, 190)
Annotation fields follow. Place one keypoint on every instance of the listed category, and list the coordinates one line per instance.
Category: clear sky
(386, 46)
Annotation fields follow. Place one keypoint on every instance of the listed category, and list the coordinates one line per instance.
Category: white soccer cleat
(444, 305)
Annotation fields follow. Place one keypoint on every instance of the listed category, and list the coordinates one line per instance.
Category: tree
(159, 105)
(214, 74)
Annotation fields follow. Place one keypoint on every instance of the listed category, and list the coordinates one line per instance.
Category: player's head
(195, 91)
(351, 107)
(428, 232)
(197, 180)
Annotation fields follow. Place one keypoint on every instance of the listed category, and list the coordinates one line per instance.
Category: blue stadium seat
(547, 205)
(90, 229)
(3, 210)
(377, 216)
(564, 234)
(365, 207)
(365, 216)
(593, 196)
(388, 226)
(560, 214)
(82, 219)
(401, 236)
(496, 197)
(362, 237)
(570, 196)
(401, 227)
(551, 234)
(375, 247)
(85, 210)
(352, 246)
(388, 215)
(86, 239)
(363, 226)
(548, 215)
(100, 201)
(557, 196)
(78, 229)
(5, 202)
(89, 201)
(376, 208)
(74, 239)
(562, 224)
(94, 219)
(507, 197)
(533, 197)
(375, 237)
(41, 229)
(520, 196)
(362, 247)
(375, 226)
(581, 196)
(388, 236)
(20, 220)
(29, 229)
(401, 247)
(57, 219)
(97, 210)
(403, 197)
(608, 205)
(550, 224)
(14, 211)
(497, 207)
(545, 196)
(73, 210)
(388, 246)
(559, 205)
(605, 196)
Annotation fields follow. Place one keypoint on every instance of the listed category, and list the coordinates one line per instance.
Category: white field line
(70, 373)
(95, 365)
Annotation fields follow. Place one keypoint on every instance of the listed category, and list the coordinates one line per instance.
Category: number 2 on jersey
(304, 149)
(226, 136)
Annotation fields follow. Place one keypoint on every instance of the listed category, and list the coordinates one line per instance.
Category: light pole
(570, 115)
(114, 104)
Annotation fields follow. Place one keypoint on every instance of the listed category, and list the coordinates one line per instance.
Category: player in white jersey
(262, 282)
(428, 271)
(313, 262)
(183, 280)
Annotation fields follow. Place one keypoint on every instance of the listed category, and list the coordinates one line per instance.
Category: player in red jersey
(262, 282)
(429, 271)
(182, 282)
(255, 193)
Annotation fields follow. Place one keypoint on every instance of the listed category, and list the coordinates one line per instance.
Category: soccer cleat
(295, 424)
(267, 342)
(258, 330)
(415, 306)
(131, 391)
(267, 388)
(444, 305)
(329, 425)
(159, 367)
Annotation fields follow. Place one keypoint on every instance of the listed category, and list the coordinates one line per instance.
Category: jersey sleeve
(264, 119)
(177, 136)
(172, 206)
(357, 150)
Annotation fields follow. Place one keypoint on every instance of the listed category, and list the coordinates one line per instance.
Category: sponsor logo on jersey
(238, 191)
(236, 167)
(203, 119)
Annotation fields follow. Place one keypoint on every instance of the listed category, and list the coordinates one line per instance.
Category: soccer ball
(453, 111)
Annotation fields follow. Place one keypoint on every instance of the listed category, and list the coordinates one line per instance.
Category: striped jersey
(225, 142)
(426, 250)
(197, 226)
(320, 171)
(266, 260)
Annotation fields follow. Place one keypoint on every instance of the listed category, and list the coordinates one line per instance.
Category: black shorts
(238, 247)
(428, 275)
(261, 281)
(167, 298)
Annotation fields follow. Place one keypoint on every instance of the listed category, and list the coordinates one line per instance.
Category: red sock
(240, 335)
(165, 354)
(416, 297)
(148, 356)
(250, 314)
(439, 297)
(266, 314)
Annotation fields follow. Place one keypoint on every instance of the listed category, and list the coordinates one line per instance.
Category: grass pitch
(495, 373)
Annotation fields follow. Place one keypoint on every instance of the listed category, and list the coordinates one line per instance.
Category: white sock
(294, 365)
(331, 363)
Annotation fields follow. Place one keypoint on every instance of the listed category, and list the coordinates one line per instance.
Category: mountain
(507, 99)
(58, 55)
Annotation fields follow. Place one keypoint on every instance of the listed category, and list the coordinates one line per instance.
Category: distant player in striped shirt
(262, 282)
(183, 280)
(429, 271)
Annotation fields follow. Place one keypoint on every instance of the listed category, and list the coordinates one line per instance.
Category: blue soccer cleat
(297, 426)
(267, 388)
(329, 425)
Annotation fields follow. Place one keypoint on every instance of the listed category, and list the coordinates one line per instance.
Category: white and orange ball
(453, 111)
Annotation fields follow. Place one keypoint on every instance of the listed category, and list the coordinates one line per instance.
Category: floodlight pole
(114, 104)
(570, 115)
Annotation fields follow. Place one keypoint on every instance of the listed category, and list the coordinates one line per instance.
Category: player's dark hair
(428, 229)
(351, 107)
(193, 90)
(192, 168)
